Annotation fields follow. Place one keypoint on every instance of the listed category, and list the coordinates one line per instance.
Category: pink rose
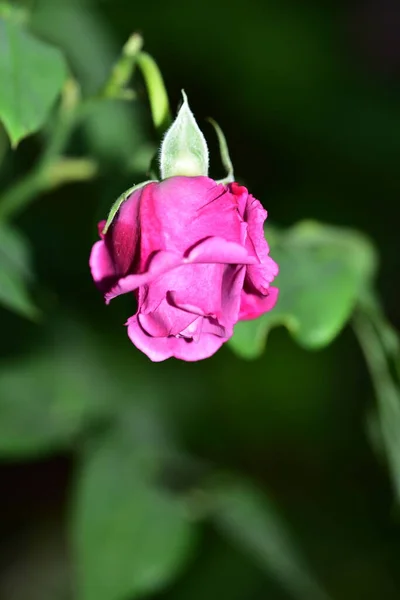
(194, 254)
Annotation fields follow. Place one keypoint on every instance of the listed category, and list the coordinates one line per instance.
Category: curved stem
(158, 97)
(372, 341)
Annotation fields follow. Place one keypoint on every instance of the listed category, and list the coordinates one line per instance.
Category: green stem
(386, 388)
(29, 187)
(20, 194)
(123, 69)
(158, 97)
(47, 173)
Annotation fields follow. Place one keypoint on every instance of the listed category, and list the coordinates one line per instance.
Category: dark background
(308, 96)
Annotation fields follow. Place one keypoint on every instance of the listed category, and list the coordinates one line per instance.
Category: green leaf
(15, 271)
(115, 130)
(13, 12)
(32, 74)
(323, 271)
(48, 398)
(184, 149)
(247, 517)
(131, 537)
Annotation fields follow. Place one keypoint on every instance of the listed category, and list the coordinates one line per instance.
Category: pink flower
(194, 254)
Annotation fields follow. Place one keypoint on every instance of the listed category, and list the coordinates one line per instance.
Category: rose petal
(232, 284)
(261, 275)
(102, 266)
(159, 349)
(218, 250)
(193, 330)
(198, 284)
(180, 211)
(254, 305)
(165, 320)
(160, 263)
(123, 234)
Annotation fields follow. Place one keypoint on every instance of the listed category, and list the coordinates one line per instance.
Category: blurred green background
(308, 96)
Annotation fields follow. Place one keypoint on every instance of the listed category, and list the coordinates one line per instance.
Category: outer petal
(260, 275)
(211, 251)
(178, 212)
(102, 267)
(123, 237)
(232, 285)
(159, 349)
(240, 194)
(100, 262)
(194, 285)
(218, 250)
(160, 263)
(254, 305)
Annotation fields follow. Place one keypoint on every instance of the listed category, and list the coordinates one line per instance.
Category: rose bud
(193, 252)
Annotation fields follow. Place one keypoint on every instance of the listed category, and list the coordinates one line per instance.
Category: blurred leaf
(77, 28)
(247, 517)
(323, 271)
(131, 537)
(13, 12)
(114, 127)
(380, 344)
(15, 270)
(47, 399)
(32, 74)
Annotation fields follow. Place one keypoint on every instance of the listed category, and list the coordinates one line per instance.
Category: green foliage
(323, 272)
(113, 129)
(32, 74)
(15, 272)
(248, 518)
(315, 137)
(131, 537)
(381, 346)
(46, 400)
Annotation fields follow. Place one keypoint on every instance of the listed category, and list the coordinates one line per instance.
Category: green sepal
(184, 149)
(224, 152)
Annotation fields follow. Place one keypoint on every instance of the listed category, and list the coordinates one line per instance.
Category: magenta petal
(161, 262)
(218, 250)
(178, 299)
(165, 320)
(193, 330)
(159, 349)
(180, 211)
(123, 235)
(101, 266)
(211, 325)
(254, 305)
(261, 275)
(232, 284)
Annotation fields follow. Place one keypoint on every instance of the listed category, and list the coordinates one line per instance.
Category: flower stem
(158, 97)
(123, 69)
(40, 179)
(373, 337)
